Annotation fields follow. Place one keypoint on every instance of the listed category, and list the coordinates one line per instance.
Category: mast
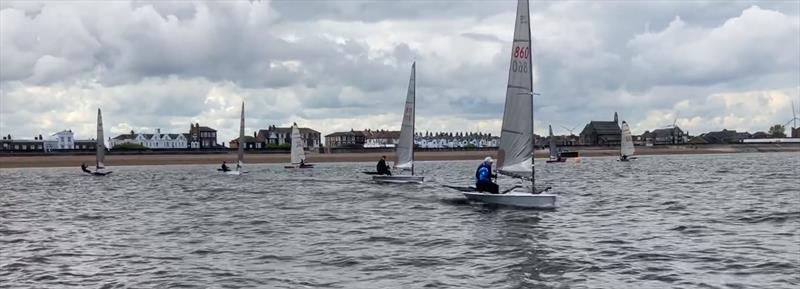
(515, 153)
(240, 151)
(100, 144)
(414, 113)
(404, 151)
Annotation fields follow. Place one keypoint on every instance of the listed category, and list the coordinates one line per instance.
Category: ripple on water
(660, 222)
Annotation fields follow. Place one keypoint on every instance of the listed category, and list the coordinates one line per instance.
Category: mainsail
(515, 154)
(627, 141)
(100, 145)
(553, 148)
(242, 142)
(297, 146)
(405, 145)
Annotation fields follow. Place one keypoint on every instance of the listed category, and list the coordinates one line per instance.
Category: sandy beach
(189, 159)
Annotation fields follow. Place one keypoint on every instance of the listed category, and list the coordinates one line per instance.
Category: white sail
(515, 154)
(297, 146)
(553, 148)
(405, 145)
(627, 141)
(101, 147)
(240, 151)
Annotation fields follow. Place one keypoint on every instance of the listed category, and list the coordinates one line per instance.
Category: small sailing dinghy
(239, 150)
(100, 153)
(626, 145)
(298, 154)
(515, 153)
(555, 155)
(404, 151)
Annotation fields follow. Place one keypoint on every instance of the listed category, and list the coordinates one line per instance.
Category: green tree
(777, 131)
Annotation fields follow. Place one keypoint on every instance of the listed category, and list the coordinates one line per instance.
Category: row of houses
(608, 133)
(198, 137)
(277, 137)
(60, 141)
(388, 139)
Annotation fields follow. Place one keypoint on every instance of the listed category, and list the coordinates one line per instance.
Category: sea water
(711, 221)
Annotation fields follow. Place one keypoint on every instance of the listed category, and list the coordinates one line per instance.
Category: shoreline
(201, 159)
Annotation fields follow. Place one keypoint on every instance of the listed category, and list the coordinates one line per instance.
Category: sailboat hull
(523, 199)
(401, 179)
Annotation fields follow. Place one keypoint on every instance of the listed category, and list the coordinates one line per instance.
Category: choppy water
(722, 221)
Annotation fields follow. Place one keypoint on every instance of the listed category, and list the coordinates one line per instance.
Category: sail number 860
(522, 52)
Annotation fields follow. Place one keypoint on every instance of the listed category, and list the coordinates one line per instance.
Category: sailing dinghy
(240, 150)
(404, 151)
(626, 146)
(100, 153)
(515, 154)
(555, 155)
(298, 154)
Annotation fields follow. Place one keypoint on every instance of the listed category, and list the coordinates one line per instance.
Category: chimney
(40, 137)
(616, 119)
(158, 131)
(131, 132)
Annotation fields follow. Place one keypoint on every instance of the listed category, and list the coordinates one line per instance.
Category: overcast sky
(337, 65)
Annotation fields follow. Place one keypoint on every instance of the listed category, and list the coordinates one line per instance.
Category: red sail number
(521, 52)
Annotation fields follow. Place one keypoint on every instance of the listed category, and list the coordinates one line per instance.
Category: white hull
(515, 198)
(401, 179)
(235, 173)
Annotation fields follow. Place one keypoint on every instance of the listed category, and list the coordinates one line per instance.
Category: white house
(153, 141)
(63, 140)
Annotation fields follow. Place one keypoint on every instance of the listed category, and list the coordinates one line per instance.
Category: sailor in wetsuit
(483, 177)
(382, 168)
(84, 168)
(224, 167)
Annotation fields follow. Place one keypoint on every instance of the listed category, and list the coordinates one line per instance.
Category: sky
(341, 65)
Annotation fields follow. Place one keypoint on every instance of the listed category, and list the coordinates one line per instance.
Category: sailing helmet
(488, 160)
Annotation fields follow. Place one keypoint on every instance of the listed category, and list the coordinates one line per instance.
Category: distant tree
(777, 131)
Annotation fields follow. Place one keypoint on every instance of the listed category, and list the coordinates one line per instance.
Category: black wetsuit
(382, 168)
(225, 168)
(84, 169)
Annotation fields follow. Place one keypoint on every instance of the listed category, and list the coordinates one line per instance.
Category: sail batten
(515, 152)
(404, 151)
(100, 145)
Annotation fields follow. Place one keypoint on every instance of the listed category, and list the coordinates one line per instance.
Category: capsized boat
(298, 154)
(404, 151)
(515, 152)
(626, 150)
(100, 152)
(555, 155)
(240, 150)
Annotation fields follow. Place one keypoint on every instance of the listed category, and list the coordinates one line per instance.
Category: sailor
(483, 177)
(382, 168)
(84, 168)
(623, 158)
(225, 167)
(302, 163)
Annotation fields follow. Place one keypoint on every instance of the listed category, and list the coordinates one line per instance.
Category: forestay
(405, 145)
(516, 138)
(627, 141)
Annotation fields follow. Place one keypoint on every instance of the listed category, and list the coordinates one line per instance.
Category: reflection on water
(661, 221)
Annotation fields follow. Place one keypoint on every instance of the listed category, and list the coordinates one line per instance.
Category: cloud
(345, 64)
